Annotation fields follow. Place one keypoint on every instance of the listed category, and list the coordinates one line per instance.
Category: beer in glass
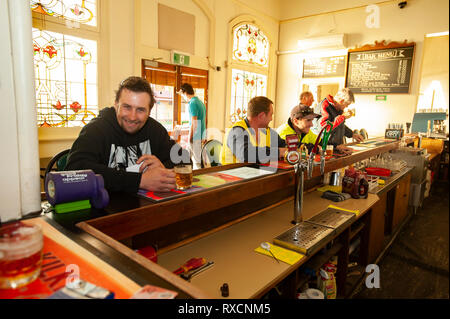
(183, 176)
(329, 150)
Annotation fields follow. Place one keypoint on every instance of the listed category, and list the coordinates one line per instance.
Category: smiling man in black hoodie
(125, 136)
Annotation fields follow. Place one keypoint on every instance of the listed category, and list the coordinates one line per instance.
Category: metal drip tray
(333, 218)
(304, 237)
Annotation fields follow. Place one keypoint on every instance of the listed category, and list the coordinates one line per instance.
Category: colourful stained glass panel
(250, 45)
(66, 79)
(245, 86)
(81, 11)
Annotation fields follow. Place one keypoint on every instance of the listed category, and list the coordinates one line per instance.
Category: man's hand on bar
(344, 149)
(148, 161)
(158, 179)
(358, 138)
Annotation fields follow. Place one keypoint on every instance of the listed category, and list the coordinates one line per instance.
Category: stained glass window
(250, 45)
(250, 52)
(82, 11)
(245, 86)
(66, 79)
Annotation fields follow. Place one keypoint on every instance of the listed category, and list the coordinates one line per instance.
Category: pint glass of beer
(329, 150)
(20, 254)
(183, 176)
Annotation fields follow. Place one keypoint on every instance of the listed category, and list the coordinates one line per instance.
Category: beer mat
(247, 172)
(159, 196)
(154, 292)
(336, 154)
(215, 179)
(375, 143)
(333, 188)
(279, 165)
(366, 146)
(358, 147)
(286, 255)
(356, 212)
(58, 264)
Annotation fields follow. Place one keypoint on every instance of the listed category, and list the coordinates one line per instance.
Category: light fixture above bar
(437, 34)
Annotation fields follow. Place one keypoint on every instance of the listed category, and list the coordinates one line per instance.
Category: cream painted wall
(292, 9)
(270, 9)
(435, 67)
(418, 18)
(119, 29)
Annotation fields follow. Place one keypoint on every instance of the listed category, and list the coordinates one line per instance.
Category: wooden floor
(416, 265)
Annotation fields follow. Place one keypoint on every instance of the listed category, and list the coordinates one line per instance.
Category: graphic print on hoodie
(121, 157)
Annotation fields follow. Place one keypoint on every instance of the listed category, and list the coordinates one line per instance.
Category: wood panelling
(401, 202)
(376, 232)
(144, 219)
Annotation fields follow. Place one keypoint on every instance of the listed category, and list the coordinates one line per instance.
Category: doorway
(170, 109)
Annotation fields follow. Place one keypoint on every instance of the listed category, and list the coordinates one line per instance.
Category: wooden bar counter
(224, 225)
(248, 273)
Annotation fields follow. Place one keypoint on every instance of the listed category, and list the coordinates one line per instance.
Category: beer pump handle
(326, 135)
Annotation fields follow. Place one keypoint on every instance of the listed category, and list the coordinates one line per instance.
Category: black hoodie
(107, 149)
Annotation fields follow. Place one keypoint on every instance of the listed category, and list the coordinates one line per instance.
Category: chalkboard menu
(324, 67)
(385, 69)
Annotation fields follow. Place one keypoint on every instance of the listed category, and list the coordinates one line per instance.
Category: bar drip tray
(333, 218)
(308, 236)
(304, 237)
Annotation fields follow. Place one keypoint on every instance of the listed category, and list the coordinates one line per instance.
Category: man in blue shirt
(197, 121)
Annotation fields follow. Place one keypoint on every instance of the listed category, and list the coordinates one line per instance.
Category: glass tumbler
(20, 254)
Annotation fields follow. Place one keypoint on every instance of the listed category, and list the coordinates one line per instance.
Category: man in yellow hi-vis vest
(300, 123)
(251, 140)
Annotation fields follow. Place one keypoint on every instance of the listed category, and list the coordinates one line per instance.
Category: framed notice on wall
(380, 68)
(324, 67)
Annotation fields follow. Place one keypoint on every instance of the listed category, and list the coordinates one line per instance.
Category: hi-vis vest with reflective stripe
(226, 154)
(285, 129)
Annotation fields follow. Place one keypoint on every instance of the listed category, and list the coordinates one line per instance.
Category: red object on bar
(292, 141)
(317, 158)
(148, 252)
(192, 263)
(378, 171)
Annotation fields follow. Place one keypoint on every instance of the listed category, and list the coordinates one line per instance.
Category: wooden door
(166, 79)
(199, 81)
(163, 80)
